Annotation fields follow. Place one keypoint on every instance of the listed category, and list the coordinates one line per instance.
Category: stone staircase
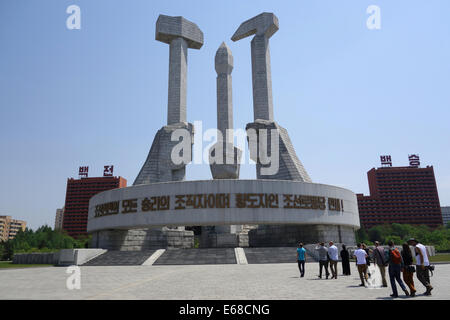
(200, 256)
(197, 256)
(311, 253)
(120, 258)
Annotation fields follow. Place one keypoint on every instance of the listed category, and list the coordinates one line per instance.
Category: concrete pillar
(176, 107)
(262, 78)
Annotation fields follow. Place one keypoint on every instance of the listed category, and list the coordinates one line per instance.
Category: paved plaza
(191, 282)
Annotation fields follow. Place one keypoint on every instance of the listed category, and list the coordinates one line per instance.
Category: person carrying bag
(408, 269)
(395, 267)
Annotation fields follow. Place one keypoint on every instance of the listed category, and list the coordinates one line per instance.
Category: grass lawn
(10, 265)
(440, 257)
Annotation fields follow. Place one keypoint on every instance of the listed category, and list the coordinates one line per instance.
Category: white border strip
(150, 261)
(240, 256)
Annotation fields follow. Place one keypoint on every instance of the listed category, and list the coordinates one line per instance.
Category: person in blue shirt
(301, 258)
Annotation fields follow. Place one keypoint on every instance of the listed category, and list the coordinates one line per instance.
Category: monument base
(291, 235)
(286, 212)
(142, 239)
(219, 240)
(262, 236)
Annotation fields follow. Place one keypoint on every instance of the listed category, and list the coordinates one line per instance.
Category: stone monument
(288, 166)
(180, 34)
(263, 26)
(285, 205)
(224, 156)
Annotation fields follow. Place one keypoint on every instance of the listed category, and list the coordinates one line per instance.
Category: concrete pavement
(192, 282)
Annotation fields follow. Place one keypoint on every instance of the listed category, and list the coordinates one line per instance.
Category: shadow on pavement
(390, 298)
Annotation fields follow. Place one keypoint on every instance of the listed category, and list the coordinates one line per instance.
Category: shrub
(399, 233)
(44, 239)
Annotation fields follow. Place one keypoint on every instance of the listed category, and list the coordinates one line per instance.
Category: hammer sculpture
(263, 26)
(180, 34)
(224, 158)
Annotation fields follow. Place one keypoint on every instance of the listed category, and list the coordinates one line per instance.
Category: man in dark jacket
(379, 258)
(323, 259)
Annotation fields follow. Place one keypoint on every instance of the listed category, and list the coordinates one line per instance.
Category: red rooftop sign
(386, 161)
(414, 160)
(108, 171)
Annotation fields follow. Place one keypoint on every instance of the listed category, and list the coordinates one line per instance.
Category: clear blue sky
(97, 96)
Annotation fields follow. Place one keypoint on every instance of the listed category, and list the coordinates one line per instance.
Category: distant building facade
(9, 227)
(445, 214)
(405, 195)
(78, 194)
(59, 219)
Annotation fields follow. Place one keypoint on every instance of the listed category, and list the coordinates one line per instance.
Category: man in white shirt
(361, 256)
(422, 264)
(334, 258)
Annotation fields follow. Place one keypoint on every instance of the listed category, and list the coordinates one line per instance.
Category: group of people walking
(396, 262)
(328, 257)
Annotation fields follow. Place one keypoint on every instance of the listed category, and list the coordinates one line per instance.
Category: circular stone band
(222, 202)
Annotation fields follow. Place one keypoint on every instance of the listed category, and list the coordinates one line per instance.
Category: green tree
(361, 235)
(378, 233)
(399, 233)
(401, 230)
(2, 250)
(44, 239)
(396, 239)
